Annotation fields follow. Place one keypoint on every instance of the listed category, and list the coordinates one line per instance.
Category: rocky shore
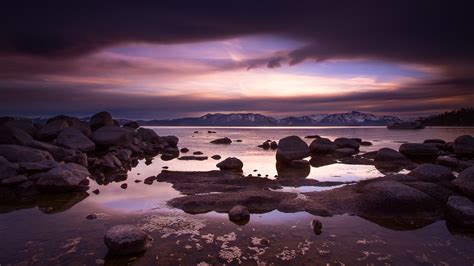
(59, 159)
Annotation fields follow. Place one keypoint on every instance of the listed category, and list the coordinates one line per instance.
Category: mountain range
(353, 118)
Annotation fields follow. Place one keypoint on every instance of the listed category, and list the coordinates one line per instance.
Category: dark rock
(13, 181)
(149, 180)
(318, 160)
(390, 160)
(460, 212)
(369, 155)
(35, 167)
(465, 182)
(432, 173)
(198, 153)
(239, 214)
(171, 140)
(13, 135)
(51, 130)
(137, 181)
(17, 153)
(464, 146)
(286, 171)
(74, 139)
(101, 119)
(124, 186)
(347, 143)
(222, 141)
(126, 240)
(238, 140)
(231, 163)
(316, 226)
(345, 152)
(216, 157)
(322, 146)
(112, 136)
(184, 150)
(91, 216)
(447, 161)
(123, 155)
(299, 164)
(74, 122)
(357, 161)
(64, 177)
(436, 191)
(312, 137)
(24, 124)
(291, 148)
(58, 153)
(148, 135)
(357, 139)
(273, 145)
(437, 141)
(417, 151)
(132, 124)
(266, 145)
(96, 191)
(193, 158)
(7, 168)
(366, 143)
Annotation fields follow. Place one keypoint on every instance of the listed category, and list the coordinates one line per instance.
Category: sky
(160, 59)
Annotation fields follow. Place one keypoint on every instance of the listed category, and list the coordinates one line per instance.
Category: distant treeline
(461, 117)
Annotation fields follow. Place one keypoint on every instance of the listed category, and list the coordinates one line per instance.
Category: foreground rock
(322, 146)
(391, 160)
(126, 240)
(432, 173)
(419, 152)
(465, 182)
(63, 178)
(239, 214)
(464, 146)
(231, 163)
(291, 148)
(17, 153)
(460, 212)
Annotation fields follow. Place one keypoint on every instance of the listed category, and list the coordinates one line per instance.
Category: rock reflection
(286, 171)
(48, 204)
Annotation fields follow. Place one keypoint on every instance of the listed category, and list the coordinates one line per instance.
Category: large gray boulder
(291, 148)
(64, 177)
(126, 240)
(432, 173)
(322, 146)
(460, 211)
(419, 151)
(17, 153)
(51, 130)
(464, 146)
(101, 119)
(112, 136)
(231, 163)
(387, 158)
(73, 138)
(13, 135)
(148, 135)
(465, 182)
(7, 168)
(347, 143)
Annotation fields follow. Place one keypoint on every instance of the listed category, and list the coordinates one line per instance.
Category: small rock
(465, 182)
(222, 141)
(13, 181)
(239, 214)
(193, 158)
(312, 137)
(447, 161)
(231, 163)
(345, 152)
(124, 186)
(184, 150)
(138, 181)
(238, 140)
(317, 226)
(198, 153)
(149, 180)
(91, 216)
(126, 240)
(366, 143)
(438, 141)
(418, 151)
(97, 192)
(216, 157)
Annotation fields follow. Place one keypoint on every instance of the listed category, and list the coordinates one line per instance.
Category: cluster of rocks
(269, 144)
(60, 155)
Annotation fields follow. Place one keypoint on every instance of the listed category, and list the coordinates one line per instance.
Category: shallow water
(55, 231)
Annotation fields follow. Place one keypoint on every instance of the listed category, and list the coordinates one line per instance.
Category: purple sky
(173, 60)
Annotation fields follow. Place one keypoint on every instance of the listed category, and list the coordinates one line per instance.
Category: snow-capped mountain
(252, 119)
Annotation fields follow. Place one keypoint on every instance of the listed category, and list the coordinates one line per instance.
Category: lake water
(55, 231)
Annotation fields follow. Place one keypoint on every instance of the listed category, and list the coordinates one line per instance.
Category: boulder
(13, 181)
(64, 177)
(74, 122)
(126, 240)
(58, 153)
(390, 159)
(239, 214)
(460, 212)
(347, 143)
(464, 146)
(148, 135)
(291, 148)
(13, 135)
(171, 140)
(74, 139)
(432, 173)
(225, 140)
(7, 168)
(35, 167)
(51, 130)
(231, 163)
(112, 136)
(345, 152)
(322, 146)
(100, 120)
(17, 153)
(465, 182)
(132, 124)
(418, 151)
(24, 124)
(123, 155)
(447, 161)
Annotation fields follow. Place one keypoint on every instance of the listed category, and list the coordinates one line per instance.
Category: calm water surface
(55, 231)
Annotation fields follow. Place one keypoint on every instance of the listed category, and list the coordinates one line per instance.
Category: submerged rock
(184, 150)
(126, 240)
(291, 148)
(432, 173)
(222, 141)
(460, 212)
(239, 214)
(231, 163)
